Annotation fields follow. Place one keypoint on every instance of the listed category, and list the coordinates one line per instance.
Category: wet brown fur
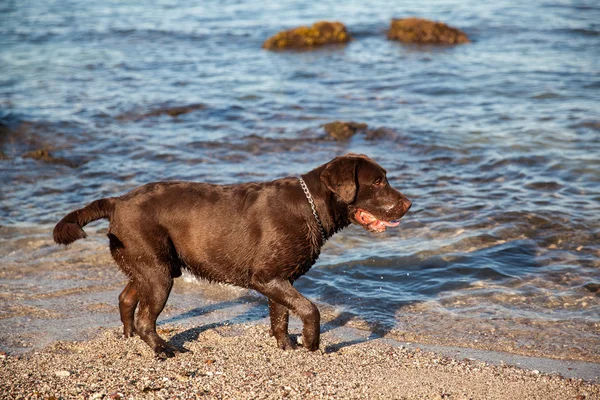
(254, 235)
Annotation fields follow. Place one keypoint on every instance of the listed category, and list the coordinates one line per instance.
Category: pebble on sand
(242, 361)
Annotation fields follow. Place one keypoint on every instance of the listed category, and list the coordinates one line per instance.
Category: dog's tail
(69, 229)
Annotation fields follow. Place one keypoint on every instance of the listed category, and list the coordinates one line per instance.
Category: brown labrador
(261, 236)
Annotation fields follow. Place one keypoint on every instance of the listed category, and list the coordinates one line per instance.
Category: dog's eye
(378, 182)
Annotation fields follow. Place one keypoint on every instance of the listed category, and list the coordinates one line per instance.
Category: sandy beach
(489, 288)
(242, 362)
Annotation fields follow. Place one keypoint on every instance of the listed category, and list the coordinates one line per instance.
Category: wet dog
(262, 236)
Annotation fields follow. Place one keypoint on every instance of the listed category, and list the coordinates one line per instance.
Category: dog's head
(362, 185)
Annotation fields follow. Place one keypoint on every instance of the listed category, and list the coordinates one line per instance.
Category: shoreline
(197, 303)
(241, 361)
(567, 368)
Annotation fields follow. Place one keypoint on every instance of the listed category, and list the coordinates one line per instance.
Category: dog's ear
(340, 177)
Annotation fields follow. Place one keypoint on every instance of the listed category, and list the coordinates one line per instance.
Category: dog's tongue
(369, 219)
(391, 223)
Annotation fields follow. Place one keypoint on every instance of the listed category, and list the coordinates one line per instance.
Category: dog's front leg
(284, 294)
(280, 316)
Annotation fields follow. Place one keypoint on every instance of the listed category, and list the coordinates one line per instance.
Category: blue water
(497, 143)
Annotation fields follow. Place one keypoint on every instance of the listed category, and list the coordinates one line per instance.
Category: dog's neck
(332, 211)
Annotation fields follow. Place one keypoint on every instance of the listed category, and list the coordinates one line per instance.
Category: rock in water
(422, 31)
(343, 130)
(305, 37)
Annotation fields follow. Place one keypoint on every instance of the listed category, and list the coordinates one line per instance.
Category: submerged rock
(45, 156)
(4, 129)
(593, 287)
(170, 111)
(380, 133)
(423, 31)
(177, 111)
(39, 154)
(319, 34)
(343, 130)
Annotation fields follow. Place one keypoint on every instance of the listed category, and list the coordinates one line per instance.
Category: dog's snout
(405, 204)
(402, 205)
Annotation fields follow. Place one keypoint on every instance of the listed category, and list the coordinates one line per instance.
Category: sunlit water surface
(496, 142)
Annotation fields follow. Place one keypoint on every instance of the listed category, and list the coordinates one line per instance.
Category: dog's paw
(127, 333)
(312, 345)
(163, 353)
(286, 343)
(166, 350)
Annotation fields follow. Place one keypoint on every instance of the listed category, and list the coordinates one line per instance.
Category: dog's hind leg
(128, 301)
(151, 266)
(153, 291)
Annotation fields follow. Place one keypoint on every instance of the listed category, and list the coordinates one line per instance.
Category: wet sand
(241, 361)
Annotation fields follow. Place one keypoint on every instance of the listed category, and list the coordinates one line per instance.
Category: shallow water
(496, 142)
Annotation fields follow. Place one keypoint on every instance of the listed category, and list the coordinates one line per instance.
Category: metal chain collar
(312, 206)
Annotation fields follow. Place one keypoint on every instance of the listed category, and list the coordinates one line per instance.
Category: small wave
(593, 125)
(581, 32)
(170, 110)
(546, 96)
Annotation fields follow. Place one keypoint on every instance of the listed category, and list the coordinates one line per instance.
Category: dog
(262, 236)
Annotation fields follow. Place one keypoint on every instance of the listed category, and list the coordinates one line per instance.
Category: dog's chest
(304, 263)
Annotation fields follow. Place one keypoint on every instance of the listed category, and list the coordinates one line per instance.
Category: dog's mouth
(371, 223)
